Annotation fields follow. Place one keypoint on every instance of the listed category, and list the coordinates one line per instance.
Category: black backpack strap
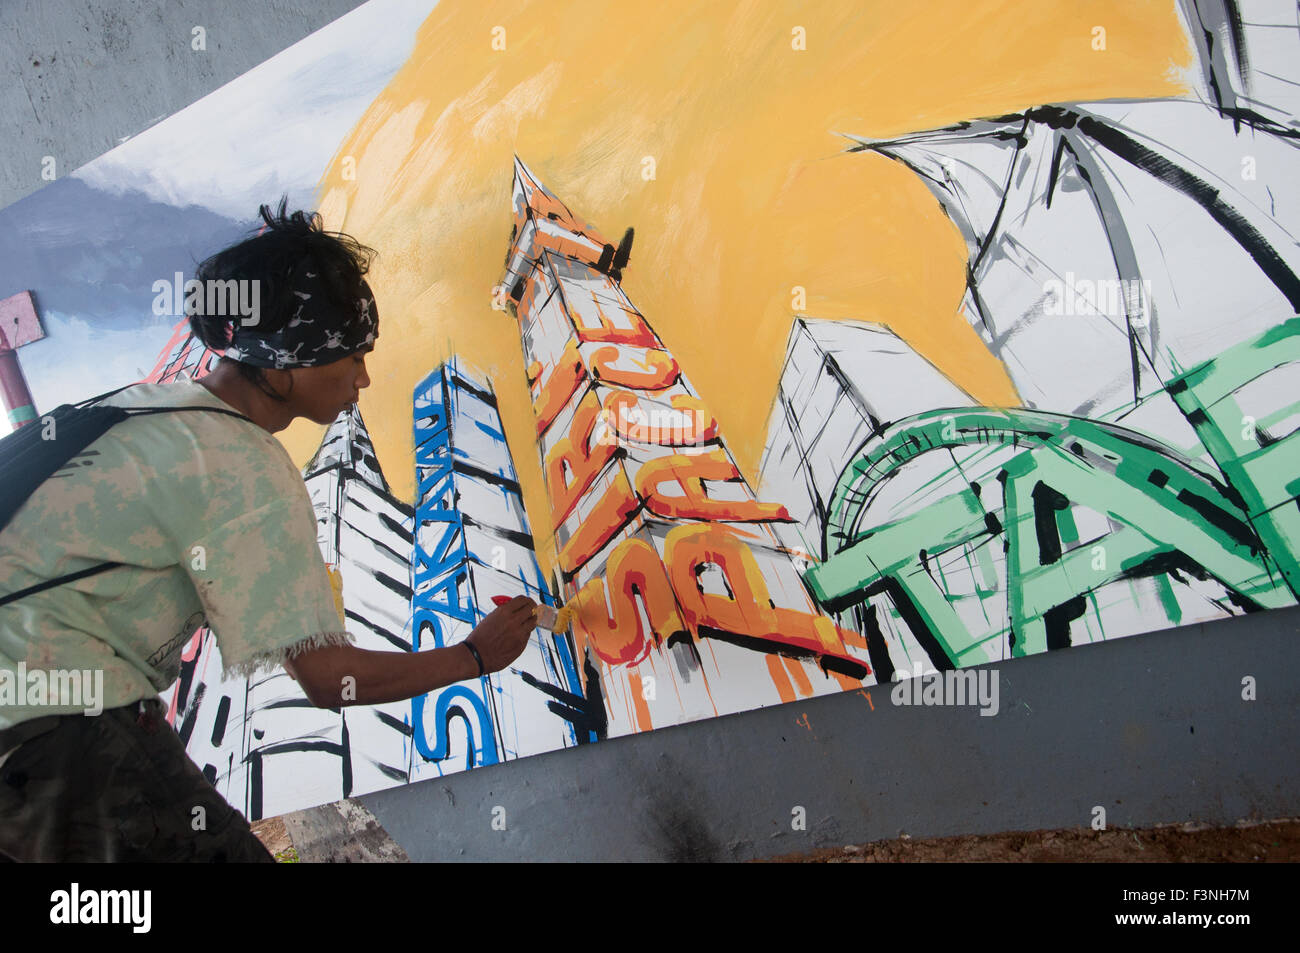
(142, 411)
(105, 396)
(58, 581)
(120, 413)
(138, 411)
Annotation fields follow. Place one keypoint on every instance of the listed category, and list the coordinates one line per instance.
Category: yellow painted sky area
(752, 193)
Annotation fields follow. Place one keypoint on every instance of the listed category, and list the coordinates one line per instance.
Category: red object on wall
(19, 325)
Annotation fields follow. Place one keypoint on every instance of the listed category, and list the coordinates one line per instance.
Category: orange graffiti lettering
(573, 464)
(663, 428)
(633, 573)
(748, 611)
(559, 387)
(615, 506)
(659, 367)
(689, 471)
(639, 335)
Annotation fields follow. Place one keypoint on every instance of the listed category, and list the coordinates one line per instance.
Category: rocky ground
(1270, 841)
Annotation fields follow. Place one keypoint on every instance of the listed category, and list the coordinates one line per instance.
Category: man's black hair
(270, 257)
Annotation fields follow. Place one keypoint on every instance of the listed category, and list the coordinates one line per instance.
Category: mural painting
(792, 358)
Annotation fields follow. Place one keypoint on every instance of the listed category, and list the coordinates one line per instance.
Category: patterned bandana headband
(318, 333)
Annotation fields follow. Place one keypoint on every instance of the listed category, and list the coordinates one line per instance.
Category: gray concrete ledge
(1153, 728)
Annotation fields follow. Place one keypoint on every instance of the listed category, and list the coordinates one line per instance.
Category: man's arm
(335, 676)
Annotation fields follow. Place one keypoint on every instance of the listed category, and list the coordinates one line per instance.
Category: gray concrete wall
(1152, 728)
(77, 77)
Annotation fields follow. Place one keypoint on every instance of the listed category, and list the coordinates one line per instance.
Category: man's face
(323, 392)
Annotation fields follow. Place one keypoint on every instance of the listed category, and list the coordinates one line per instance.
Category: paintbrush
(546, 617)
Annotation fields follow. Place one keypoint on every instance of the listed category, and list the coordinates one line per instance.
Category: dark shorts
(116, 786)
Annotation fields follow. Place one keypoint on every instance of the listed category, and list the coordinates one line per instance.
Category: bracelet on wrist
(478, 659)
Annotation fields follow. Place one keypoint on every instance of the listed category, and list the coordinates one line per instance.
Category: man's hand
(503, 634)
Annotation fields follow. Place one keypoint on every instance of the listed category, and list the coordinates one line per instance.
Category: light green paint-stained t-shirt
(211, 518)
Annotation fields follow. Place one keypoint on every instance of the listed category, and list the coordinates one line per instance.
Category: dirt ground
(1266, 842)
(275, 838)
